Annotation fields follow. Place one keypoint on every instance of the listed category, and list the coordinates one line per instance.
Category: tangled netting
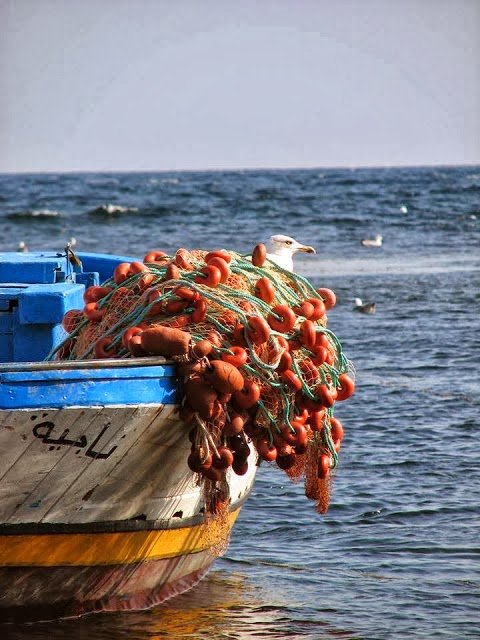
(255, 358)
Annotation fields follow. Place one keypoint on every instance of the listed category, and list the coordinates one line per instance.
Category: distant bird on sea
(403, 209)
(22, 247)
(280, 249)
(376, 242)
(367, 307)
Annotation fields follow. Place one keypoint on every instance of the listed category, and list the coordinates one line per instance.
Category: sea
(397, 555)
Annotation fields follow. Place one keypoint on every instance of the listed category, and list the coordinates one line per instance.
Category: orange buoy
(129, 333)
(186, 294)
(172, 272)
(199, 312)
(265, 290)
(259, 255)
(258, 329)
(95, 293)
(138, 267)
(265, 450)
(325, 395)
(218, 254)
(315, 420)
(201, 349)
(304, 309)
(223, 376)
(282, 318)
(290, 377)
(224, 459)
(235, 355)
(321, 355)
(248, 396)
(328, 296)
(323, 468)
(156, 257)
(307, 334)
(120, 273)
(183, 259)
(222, 265)
(235, 424)
(336, 429)
(174, 306)
(285, 362)
(201, 397)
(135, 346)
(155, 307)
(346, 386)
(102, 348)
(318, 308)
(72, 319)
(92, 312)
(199, 460)
(210, 276)
(165, 341)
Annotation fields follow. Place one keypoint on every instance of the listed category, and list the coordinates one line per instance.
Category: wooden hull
(98, 507)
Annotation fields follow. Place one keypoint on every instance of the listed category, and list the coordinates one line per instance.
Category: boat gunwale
(59, 365)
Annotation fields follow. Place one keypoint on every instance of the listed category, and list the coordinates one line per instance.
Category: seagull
(367, 307)
(280, 249)
(22, 247)
(376, 242)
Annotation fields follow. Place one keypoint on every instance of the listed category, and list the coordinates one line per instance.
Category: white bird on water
(280, 249)
(367, 307)
(376, 242)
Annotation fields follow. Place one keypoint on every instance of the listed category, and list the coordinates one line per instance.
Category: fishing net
(256, 360)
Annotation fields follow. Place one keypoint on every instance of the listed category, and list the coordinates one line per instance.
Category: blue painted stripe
(88, 387)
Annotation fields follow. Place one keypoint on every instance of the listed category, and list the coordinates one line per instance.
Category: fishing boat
(98, 507)
(137, 398)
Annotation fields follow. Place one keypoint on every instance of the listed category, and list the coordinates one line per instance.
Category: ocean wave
(34, 213)
(109, 210)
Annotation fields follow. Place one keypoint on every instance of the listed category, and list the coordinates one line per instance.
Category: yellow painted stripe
(91, 549)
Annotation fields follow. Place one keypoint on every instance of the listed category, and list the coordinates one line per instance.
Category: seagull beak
(306, 249)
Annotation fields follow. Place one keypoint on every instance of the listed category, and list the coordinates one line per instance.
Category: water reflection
(224, 606)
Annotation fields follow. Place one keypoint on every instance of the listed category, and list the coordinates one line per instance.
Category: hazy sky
(199, 84)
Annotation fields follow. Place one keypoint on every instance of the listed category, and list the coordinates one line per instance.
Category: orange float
(259, 255)
(121, 272)
(223, 376)
(318, 308)
(248, 396)
(258, 329)
(307, 334)
(72, 319)
(290, 377)
(336, 429)
(172, 272)
(235, 355)
(165, 341)
(210, 276)
(102, 348)
(183, 260)
(218, 254)
(199, 312)
(265, 450)
(92, 312)
(265, 290)
(156, 257)
(129, 333)
(328, 296)
(222, 265)
(346, 387)
(95, 293)
(282, 318)
(323, 469)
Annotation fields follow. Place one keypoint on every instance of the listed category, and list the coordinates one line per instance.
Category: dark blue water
(398, 554)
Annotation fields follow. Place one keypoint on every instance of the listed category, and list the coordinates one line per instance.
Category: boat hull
(98, 507)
